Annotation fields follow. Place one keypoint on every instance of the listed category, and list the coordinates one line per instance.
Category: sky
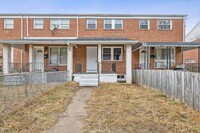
(188, 7)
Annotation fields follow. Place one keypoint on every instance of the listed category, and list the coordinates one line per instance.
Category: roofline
(89, 42)
(98, 15)
(192, 29)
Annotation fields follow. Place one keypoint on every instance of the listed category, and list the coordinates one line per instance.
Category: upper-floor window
(164, 24)
(144, 24)
(91, 23)
(113, 24)
(8, 23)
(60, 23)
(38, 24)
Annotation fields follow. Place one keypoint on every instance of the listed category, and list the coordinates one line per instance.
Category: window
(164, 24)
(188, 61)
(38, 24)
(60, 23)
(144, 24)
(58, 55)
(113, 24)
(161, 57)
(112, 54)
(8, 23)
(108, 24)
(91, 23)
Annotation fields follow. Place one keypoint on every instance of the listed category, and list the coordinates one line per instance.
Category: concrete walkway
(71, 121)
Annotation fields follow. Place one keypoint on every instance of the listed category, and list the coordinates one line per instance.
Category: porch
(101, 60)
(165, 56)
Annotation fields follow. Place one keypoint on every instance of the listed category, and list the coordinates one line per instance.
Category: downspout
(77, 26)
(22, 36)
(27, 34)
(184, 29)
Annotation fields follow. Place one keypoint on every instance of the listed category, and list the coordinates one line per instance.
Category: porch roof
(172, 44)
(90, 41)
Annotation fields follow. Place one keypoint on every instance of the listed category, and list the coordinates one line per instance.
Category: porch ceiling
(84, 41)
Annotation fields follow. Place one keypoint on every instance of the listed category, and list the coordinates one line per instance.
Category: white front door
(91, 59)
(38, 64)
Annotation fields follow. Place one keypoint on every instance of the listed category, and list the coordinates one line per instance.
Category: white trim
(112, 52)
(12, 55)
(58, 56)
(27, 19)
(95, 24)
(129, 64)
(77, 26)
(50, 38)
(22, 27)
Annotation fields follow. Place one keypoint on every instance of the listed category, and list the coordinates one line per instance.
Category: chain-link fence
(16, 89)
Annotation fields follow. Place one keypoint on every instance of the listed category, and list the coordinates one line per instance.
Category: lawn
(41, 113)
(119, 108)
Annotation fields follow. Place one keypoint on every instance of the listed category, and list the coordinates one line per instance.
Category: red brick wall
(191, 54)
(130, 30)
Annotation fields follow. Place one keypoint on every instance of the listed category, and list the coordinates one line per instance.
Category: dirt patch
(41, 113)
(130, 108)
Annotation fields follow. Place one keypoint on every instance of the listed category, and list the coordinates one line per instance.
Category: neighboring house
(84, 44)
(191, 56)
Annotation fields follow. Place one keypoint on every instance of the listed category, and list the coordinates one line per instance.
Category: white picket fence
(184, 86)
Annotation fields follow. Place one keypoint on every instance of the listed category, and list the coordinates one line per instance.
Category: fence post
(183, 86)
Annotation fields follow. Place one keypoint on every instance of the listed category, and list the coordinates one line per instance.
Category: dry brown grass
(41, 113)
(120, 108)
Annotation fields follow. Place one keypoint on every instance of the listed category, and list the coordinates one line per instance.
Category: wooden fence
(184, 86)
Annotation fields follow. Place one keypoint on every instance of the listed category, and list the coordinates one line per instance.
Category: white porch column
(129, 64)
(30, 57)
(99, 57)
(70, 62)
(6, 57)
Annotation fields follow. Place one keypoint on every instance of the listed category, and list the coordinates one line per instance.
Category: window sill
(114, 29)
(164, 29)
(52, 65)
(112, 60)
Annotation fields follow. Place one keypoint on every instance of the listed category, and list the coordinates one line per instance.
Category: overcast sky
(189, 7)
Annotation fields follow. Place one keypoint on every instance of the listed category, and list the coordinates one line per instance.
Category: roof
(194, 34)
(171, 44)
(71, 41)
(97, 15)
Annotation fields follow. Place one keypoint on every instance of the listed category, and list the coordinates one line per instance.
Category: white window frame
(148, 22)
(60, 22)
(5, 24)
(164, 20)
(112, 53)
(59, 47)
(158, 60)
(88, 24)
(113, 24)
(34, 25)
(193, 61)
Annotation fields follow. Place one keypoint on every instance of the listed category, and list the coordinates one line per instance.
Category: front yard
(39, 114)
(121, 108)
